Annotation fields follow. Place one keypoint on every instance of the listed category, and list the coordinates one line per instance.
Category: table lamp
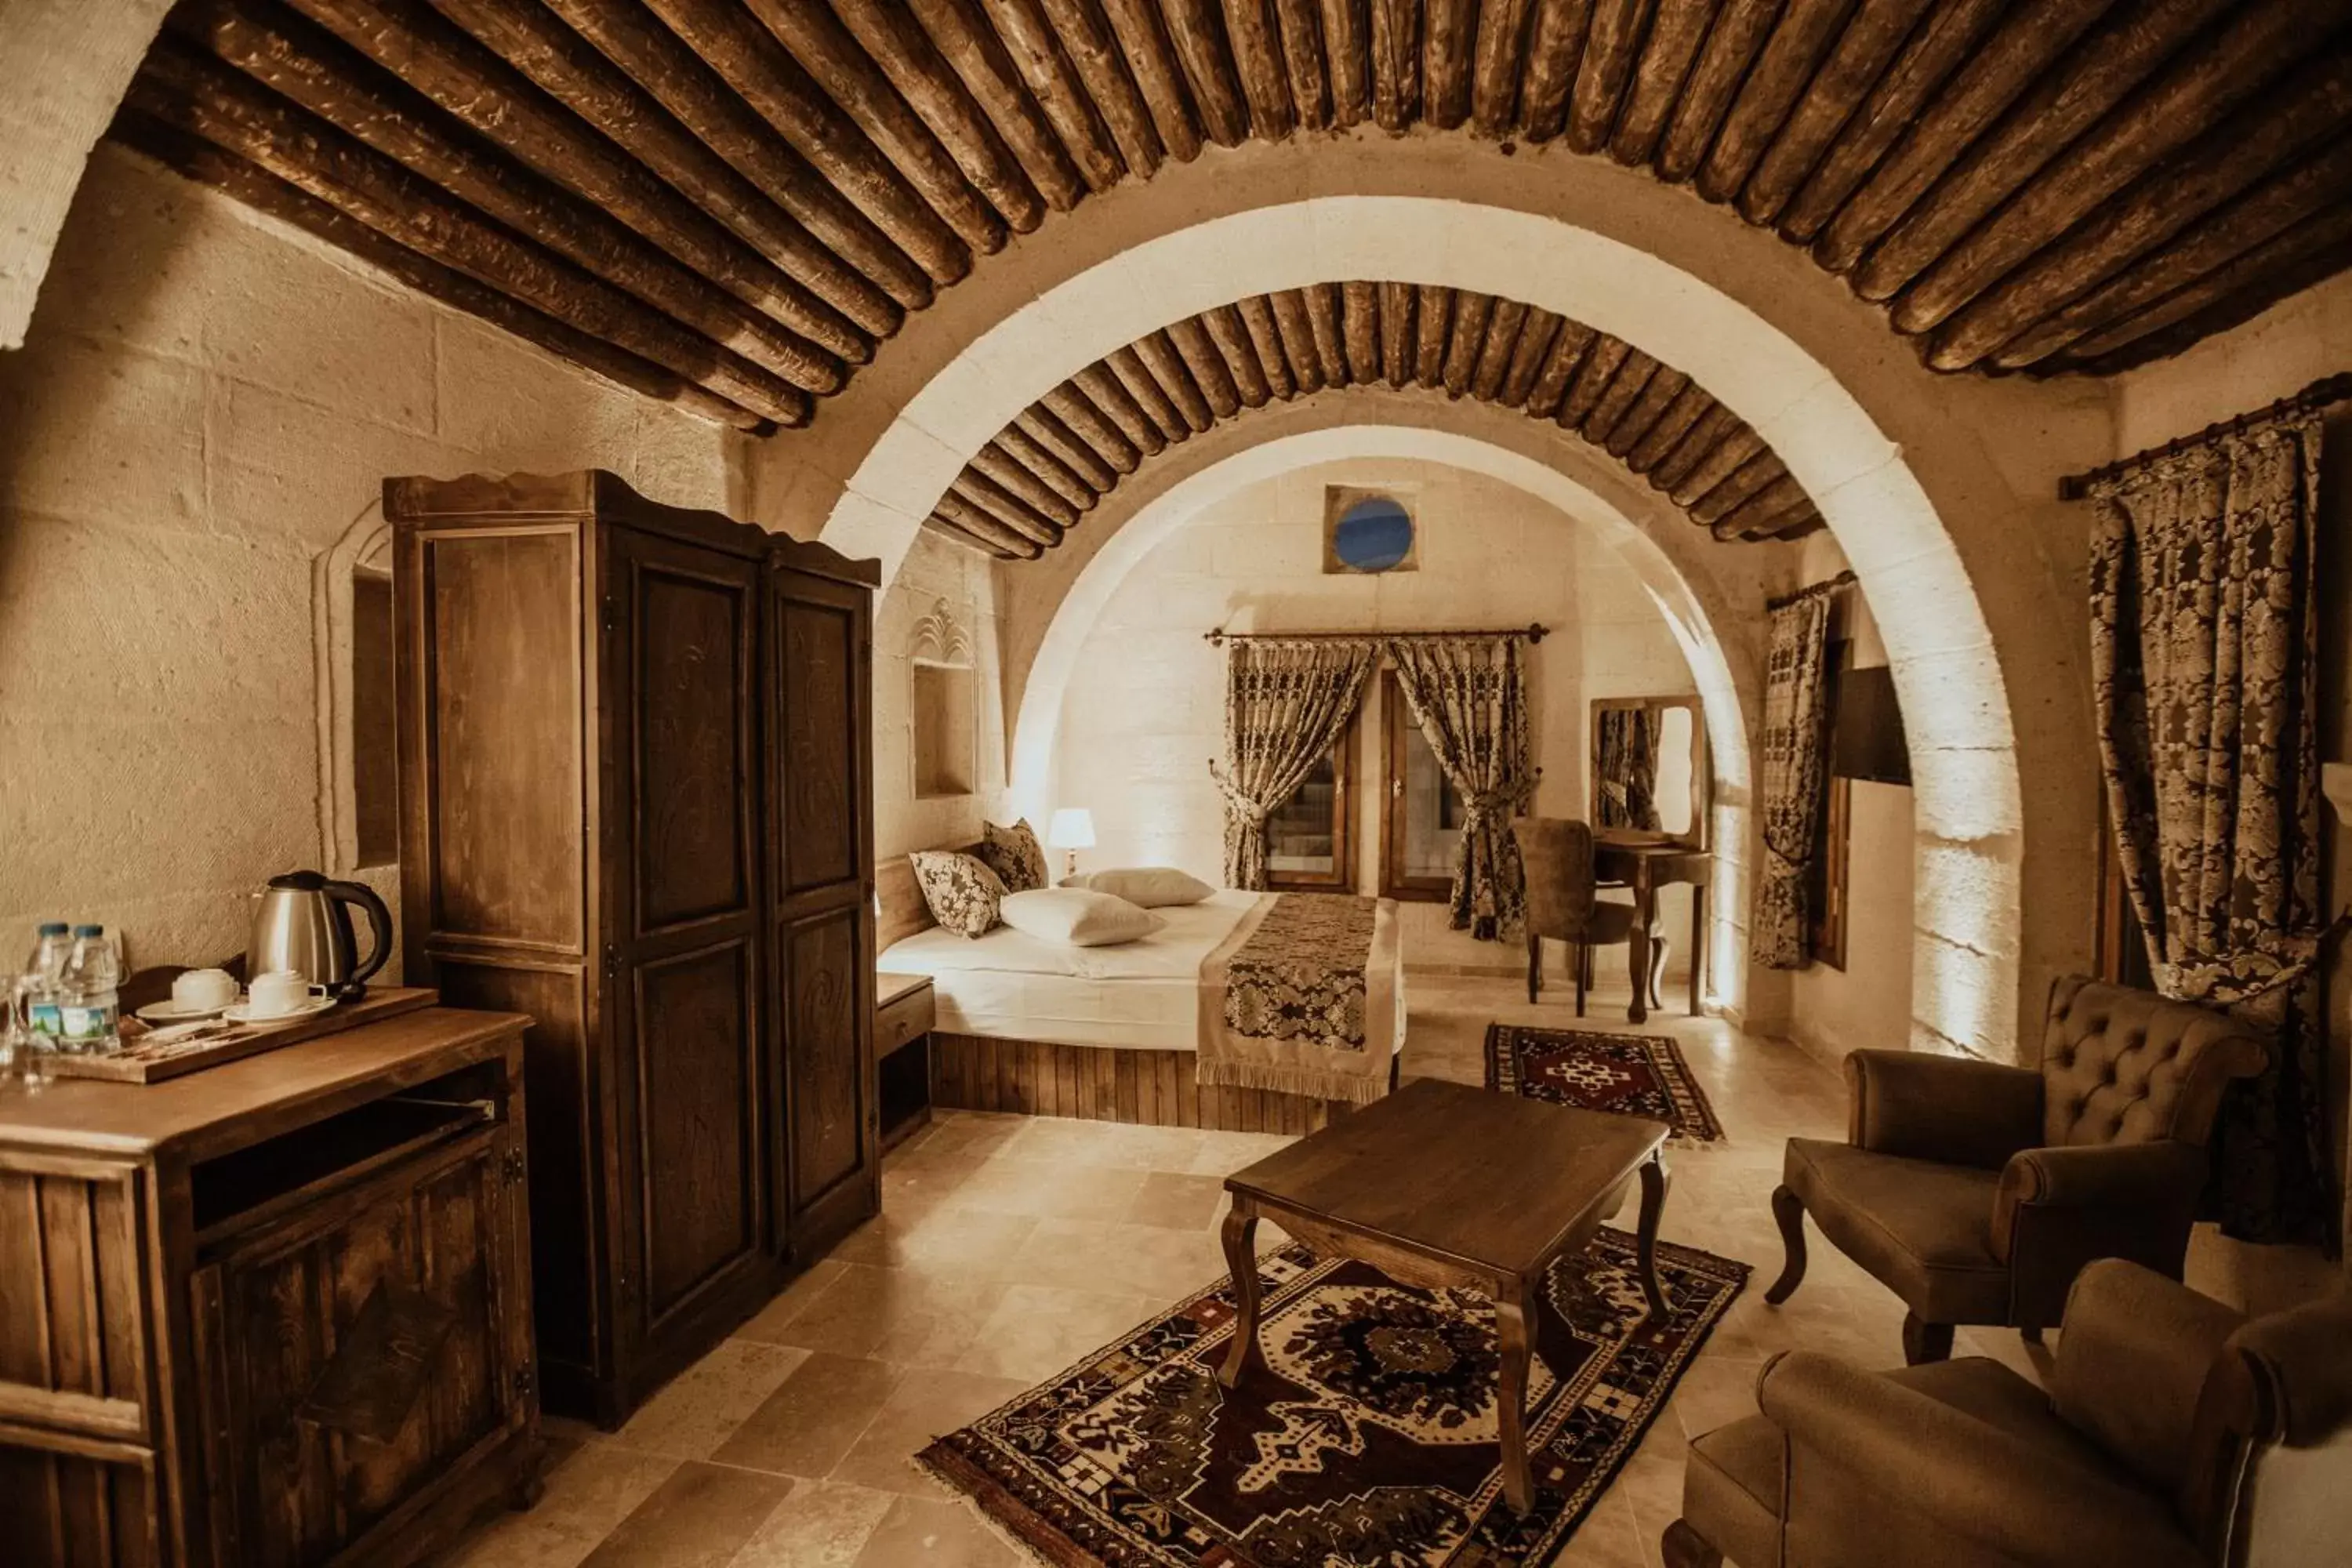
(1071, 830)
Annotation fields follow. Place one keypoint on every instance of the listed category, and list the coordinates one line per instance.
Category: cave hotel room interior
(1175, 784)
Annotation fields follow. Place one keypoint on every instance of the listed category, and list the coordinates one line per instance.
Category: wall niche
(945, 708)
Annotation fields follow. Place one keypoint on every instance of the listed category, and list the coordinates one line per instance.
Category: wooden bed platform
(1109, 1083)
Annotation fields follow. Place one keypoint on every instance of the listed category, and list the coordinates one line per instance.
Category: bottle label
(47, 1018)
(88, 1022)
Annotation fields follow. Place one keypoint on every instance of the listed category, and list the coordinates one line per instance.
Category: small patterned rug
(1631, 1075)
(1367, 1435)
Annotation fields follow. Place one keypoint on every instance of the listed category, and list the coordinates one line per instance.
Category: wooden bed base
(1105, 1083)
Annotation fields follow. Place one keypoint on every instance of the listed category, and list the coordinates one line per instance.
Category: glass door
(1307, 835)
(1420, 827)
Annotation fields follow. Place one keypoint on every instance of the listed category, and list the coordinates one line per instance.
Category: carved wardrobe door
(683, 981)
(821, 860)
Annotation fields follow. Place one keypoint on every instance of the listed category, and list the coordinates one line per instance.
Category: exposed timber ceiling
(728, 203)
(1063, 453)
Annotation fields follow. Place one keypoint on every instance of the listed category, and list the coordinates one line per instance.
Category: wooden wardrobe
(636, 762)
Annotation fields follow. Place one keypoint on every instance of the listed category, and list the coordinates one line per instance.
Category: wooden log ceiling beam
(998, 535)
(1611, 48)
(195, 94)
(1347, 62)
(906, 37)
(416, 46)
(1740, 28)
(208, 164)
(1158, 352)
(1675, 34)
(1255, 38)
(974, 183)
(2200, 87)
(844, 309)
(1721, 472)
(1448, 44)
(1393, 48)
(1109, 101)
(1150, 55)
(1560, 367)
(1291, 318)
(1197, 28)
(2268, 133)
(2318, 184)
(1949, 33)
(1995, 74)
(2063, 106)
(677, 77)
(1065, 481)
(2267, 265)
(1040, 425)
(767, 76)
(1302, 58)
(1858, 61)
(1555, 46)
(1805, 34)
(292, 60)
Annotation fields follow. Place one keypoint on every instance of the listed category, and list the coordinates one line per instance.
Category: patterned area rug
(1631, 1075)
(1367, 1436)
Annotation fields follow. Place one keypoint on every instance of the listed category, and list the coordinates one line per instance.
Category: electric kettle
(300, 922)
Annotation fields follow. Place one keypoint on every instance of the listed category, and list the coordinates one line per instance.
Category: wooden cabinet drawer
(903, 1018)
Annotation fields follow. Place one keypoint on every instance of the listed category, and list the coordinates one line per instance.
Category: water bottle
(43, 971)
(89, 1004)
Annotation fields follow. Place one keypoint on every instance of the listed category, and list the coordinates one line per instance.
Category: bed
(1103, 1033)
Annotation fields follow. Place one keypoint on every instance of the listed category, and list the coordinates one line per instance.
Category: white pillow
(1147, 887)
(1076, 917)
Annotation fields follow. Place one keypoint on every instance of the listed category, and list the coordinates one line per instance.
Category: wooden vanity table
(1646, 862)
(274, 1312)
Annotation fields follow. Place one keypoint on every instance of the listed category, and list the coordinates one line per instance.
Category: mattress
(1135, 995)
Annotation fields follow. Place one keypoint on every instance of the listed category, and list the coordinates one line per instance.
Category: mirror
(1648, 774)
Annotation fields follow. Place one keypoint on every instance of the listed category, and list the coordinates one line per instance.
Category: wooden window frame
(1396, 720)
(1342, 878)
(1827, 927)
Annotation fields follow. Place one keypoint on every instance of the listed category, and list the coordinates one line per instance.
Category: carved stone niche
(945, 706)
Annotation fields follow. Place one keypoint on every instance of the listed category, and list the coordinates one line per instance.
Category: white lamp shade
(1072, 827)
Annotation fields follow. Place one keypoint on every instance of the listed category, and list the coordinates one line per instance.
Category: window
(1366, 531)
(376, 760)
(1307, 835)
(1421, 820)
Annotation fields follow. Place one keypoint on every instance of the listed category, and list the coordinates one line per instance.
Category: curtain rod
(2321, 393)
(1534, 632)
(1811, 591)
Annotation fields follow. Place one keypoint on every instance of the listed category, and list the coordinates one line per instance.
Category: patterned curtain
(1469, 696)
(1286, 704)
(1795, 777)
(2203, 661)
(1628, 767)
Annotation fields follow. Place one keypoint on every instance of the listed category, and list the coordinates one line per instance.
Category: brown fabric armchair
(1977, 1193)
(1562, 903)
(2175, 1434)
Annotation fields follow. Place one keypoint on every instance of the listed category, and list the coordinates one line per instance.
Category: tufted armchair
(1562, 901)
(1977, 1193)
(2174, 1434)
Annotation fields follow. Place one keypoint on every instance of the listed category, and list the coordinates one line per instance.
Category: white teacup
(203, 991)
(277, 993)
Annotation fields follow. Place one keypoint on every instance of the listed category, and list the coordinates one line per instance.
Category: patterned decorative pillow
(963, 894)
(1015, 855)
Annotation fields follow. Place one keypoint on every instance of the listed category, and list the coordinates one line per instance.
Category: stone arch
(1122, 547)
(1948, 677)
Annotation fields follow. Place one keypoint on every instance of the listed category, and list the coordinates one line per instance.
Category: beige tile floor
(1008, 1247)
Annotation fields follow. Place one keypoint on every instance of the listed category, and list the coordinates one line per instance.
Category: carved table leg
(1789, 1211)
(1515, 1324)
(1655, 1180)
(1240, 1256)
(1637, 949)
(1925, 1342)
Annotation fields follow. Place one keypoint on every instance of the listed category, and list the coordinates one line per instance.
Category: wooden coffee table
(1441, 1186)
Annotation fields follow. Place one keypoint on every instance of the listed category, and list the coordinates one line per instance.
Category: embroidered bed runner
(1303, 999)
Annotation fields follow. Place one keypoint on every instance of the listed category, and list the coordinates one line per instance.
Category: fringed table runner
(1302, 999)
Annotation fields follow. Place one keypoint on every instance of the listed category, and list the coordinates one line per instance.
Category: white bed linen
(1139, 995)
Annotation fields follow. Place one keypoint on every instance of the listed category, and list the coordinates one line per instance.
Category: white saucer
(173, 1013)
(242, 1012)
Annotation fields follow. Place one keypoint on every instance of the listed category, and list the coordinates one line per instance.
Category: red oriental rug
(1630, 1075)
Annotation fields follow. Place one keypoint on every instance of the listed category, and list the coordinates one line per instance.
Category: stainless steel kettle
(300, 922)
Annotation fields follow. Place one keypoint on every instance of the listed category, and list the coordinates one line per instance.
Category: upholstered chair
(2175, 1434)
(1562, 901)
(1977, 1191)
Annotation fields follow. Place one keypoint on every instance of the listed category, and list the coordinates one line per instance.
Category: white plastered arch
(1969, 807)
(1036, 727)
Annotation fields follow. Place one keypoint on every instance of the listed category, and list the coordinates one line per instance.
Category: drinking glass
(24, 1050)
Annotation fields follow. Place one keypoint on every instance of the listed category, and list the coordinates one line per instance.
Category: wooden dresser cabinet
(635, 780)
(273, 1314)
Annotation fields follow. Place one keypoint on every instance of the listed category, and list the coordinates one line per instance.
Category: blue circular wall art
(1375, 534)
